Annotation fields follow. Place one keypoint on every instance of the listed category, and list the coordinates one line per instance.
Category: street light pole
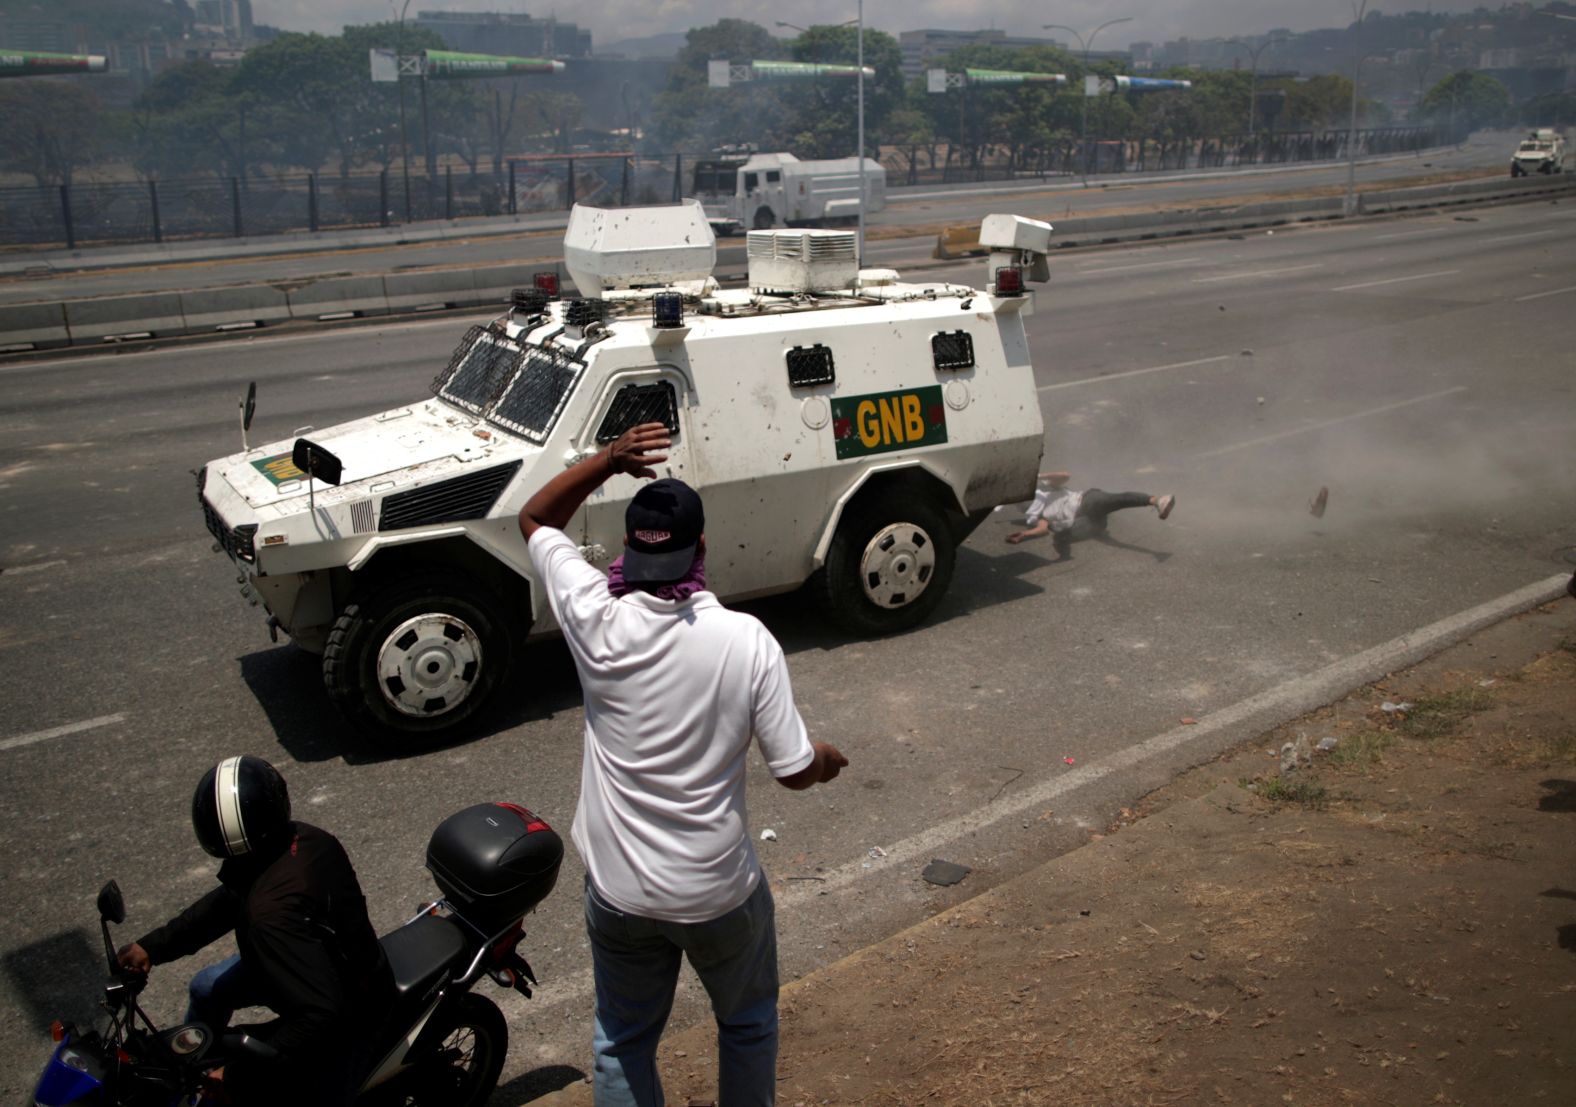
(1085, 45)
(861, 164)
(1253, 73)
(1350, 205)
(404, 141)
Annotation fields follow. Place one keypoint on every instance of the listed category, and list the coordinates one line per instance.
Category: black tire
(765, 219)
(889, 564)
(428, 684)
(471, 1040)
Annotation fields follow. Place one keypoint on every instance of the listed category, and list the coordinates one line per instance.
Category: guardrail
(101, 319)
(107, 319)
(962, 240)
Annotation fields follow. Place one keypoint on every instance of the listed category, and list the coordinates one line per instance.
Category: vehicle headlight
(72, 1059)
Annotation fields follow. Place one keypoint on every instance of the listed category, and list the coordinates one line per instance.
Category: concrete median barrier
(211, 309)
(430, 290)
(337, 298)
(32, 327)
(157, 314)
(494, 283)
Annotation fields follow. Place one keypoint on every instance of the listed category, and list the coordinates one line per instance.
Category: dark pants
(1095, 506)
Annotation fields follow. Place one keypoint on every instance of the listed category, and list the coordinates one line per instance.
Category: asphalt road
(1419, 368)
(906, 209)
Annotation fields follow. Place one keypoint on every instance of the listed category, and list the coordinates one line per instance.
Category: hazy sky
(611, 20)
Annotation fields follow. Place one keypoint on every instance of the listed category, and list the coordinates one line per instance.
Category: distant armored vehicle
(845, 428)
(1542, 151)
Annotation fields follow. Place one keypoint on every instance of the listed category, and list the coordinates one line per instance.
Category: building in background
(515, 35)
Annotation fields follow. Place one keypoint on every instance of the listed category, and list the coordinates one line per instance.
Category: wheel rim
(428, 665)
(897, 565)
(454, 1071)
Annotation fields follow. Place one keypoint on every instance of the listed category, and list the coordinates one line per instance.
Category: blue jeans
(215, 993)
(636, 965)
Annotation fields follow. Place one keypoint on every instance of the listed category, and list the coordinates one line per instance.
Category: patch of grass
(1299, 790)
(1439, 716)
(1562, 748)
(1359, 751)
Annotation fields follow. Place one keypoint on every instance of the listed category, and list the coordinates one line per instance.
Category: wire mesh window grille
(953, 350)
(482, 364)
(640, 403)
(809, 365)
(532, 401)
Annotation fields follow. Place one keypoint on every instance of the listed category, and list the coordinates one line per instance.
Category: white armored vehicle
(843, 427)
(769, 190)
(1542, 151)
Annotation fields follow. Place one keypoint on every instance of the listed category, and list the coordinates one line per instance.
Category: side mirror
(111, 904)
(315, 461)
(249, 406)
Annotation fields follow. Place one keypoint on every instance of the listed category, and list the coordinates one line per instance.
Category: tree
(1552, 109)
(1467, 101)
(824, 112)
(691, 115)
(47, 128)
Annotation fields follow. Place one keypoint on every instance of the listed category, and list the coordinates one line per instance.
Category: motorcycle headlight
(188, 1039)
(72, 1059)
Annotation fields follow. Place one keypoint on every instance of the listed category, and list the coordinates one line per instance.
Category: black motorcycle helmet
(241, 807)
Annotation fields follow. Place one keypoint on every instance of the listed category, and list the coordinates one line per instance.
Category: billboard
(1012, 77)
(450, 65)
(37, 63)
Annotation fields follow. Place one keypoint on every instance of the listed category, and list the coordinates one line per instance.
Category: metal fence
(89, 212)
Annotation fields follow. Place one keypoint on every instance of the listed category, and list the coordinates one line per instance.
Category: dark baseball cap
(662, 528)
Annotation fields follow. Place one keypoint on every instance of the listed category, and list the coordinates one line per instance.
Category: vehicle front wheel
(765, 219)
(889, 565)
(417, 659)
(463, 1070)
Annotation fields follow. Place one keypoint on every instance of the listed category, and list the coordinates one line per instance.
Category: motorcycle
(442, 1045)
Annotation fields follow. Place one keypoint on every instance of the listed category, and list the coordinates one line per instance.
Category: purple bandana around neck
(678, 590)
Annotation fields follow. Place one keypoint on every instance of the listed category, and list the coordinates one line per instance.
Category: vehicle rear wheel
(889, 565)
(417, 659)
(464, 1068)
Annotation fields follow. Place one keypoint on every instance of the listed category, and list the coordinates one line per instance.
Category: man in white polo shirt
(676, 686)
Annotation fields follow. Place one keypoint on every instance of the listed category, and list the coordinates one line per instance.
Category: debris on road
(1321, 500)
(768, 835)
(944, 873)
(1067, 760)
(1327, 744)
(877, 852)
(1390, 708)
(1188, 720)
(1293, 755)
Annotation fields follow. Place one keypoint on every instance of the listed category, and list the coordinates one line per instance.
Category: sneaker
(1164, 504)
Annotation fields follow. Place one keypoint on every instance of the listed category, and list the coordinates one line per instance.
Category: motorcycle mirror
(111, 904)
(249, 406)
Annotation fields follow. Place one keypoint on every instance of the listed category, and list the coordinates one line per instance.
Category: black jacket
(301, 924)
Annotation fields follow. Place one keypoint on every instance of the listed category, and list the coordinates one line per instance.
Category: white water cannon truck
(759, 191)
(845, 428)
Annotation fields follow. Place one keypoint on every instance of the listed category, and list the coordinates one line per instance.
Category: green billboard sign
(448, 64)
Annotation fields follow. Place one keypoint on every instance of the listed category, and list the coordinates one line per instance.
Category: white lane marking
(1550, 292)
(1410, 234)
(61, 731)
(1241, 721)
(1143, 265)
(1258, 273)
(17, 570)
(1134, 373)
(1380, 410)
(1396, 280)
(1513, 237)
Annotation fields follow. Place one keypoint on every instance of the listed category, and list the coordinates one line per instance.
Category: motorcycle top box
(494, 862)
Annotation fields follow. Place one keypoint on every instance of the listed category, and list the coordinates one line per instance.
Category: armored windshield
(519, 387)
(531, 402)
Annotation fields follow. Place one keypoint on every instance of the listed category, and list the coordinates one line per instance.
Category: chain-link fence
(89, 212)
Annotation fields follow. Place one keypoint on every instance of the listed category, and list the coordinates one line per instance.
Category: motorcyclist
(307, 948)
